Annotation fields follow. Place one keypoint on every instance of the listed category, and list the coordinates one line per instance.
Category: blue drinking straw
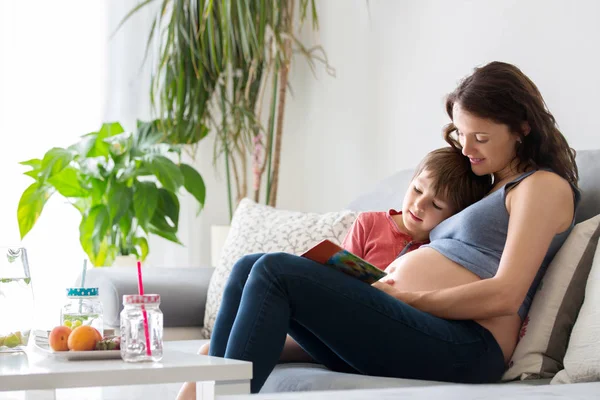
(83, 273)
(82, 281)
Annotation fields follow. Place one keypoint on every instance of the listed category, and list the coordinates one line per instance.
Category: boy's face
(421, 210)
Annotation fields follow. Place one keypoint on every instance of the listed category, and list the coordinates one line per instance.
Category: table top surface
(35, 370)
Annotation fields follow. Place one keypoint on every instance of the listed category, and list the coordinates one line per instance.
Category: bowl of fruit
(81, 343)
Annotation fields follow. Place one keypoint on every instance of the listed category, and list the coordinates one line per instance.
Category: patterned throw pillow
(582, 361)
(256, 228)
(545, 332)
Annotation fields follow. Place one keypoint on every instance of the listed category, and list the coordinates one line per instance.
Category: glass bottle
(16, 299)
(141, 328)
(82, 307)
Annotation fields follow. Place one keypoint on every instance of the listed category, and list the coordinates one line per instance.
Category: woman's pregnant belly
(425, 269)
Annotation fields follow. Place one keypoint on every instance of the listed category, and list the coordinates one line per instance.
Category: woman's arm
(539, 207)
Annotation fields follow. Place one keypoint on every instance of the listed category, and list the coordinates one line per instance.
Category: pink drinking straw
(141, 291)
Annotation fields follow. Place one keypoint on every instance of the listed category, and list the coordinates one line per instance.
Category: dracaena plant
(124, 184)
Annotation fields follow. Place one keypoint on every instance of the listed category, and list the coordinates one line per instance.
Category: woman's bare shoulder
(546, 191)
(547, 182)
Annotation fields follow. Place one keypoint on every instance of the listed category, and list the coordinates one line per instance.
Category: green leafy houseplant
(219, 64)
(124, 184)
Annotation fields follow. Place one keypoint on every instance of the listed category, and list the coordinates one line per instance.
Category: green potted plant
(219, 64)
(124, 184)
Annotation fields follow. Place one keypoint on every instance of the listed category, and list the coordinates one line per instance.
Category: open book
(330, 254)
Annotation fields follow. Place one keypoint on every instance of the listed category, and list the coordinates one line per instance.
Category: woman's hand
(390, 269)
(387, 285)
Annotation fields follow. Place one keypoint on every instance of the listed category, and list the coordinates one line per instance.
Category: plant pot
(218, 235)
(125, 261)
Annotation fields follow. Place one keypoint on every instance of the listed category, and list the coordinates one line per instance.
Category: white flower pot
(125, 261)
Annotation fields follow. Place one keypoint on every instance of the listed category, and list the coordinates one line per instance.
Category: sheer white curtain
(52, 90)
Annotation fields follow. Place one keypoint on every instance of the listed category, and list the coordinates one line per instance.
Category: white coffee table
(40, 375)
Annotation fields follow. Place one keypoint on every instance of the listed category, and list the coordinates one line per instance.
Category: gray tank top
(475, 238)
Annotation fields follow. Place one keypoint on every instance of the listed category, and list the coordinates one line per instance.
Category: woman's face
(491, 147)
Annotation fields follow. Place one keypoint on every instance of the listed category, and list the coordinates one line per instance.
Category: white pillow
(256, 228)
(545, 331)
(582, 361)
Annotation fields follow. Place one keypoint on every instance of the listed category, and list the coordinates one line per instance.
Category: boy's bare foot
(204, 349)
(188, 390)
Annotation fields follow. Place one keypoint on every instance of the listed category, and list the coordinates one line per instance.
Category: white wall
(395, 62)
(385, 110)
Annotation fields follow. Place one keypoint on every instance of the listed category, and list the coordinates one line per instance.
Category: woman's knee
(273, 264)
(243, 266)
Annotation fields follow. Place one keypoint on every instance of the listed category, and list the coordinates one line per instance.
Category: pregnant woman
(450, 310)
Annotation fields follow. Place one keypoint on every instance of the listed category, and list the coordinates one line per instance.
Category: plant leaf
(84, 145)
(93, 229)
(148, 134)
(110, 129)
(145, 200)
(98, 190)
(165, 220)
(34, 163)
(165, 234)
(67, 183)
(54, 161)
(166, 171)
(106, 254)
(31, 205)
(120, 144)
(101, 148)
(168, 205)
(142, 243)
(119, 200)
(194, 184)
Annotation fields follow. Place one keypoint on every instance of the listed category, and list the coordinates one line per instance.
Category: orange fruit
(98, 335)
(58, 338)
(83, 338)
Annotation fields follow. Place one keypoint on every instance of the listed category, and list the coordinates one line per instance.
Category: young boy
(443, 185)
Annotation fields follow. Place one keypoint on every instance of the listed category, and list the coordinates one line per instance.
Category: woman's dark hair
(502, 93)
(453, 178)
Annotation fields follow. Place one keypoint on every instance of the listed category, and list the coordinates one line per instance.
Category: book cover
(332, 255)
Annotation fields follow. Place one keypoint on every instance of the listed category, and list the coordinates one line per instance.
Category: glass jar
(141, 328)
(83, 307)
(16, 300)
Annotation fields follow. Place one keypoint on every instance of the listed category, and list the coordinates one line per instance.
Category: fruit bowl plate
(41, 344)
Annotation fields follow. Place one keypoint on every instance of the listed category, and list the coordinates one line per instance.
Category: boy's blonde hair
(453, 178)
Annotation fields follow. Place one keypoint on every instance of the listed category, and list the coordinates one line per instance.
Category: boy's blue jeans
(344, 324)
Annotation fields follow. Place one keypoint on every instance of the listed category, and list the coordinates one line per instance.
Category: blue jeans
(344, 324)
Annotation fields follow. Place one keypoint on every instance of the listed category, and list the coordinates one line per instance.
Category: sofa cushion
(301, 377)
(256, 228)
(387, 194)
(182, 292)
(546, 328)
(582, 361)
(588, 162)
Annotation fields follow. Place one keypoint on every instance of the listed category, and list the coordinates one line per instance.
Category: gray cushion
(300, 377)
(588, 162)
(389, 193)
(182, 291)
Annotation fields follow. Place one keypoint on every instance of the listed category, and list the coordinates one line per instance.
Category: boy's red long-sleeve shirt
(375, 237)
